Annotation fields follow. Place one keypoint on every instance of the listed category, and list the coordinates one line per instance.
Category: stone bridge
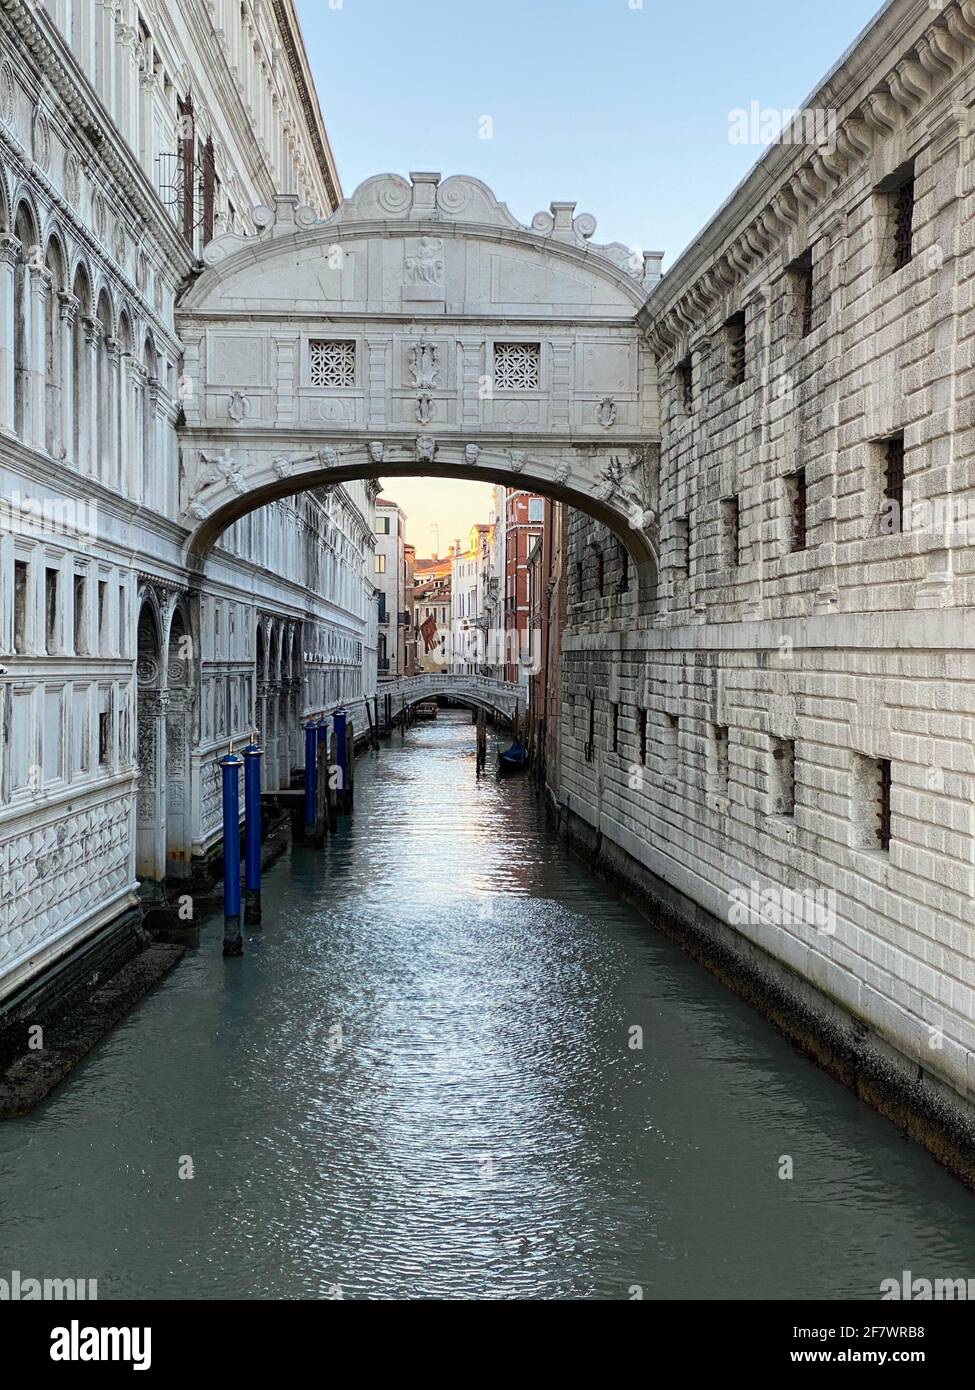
(480, 691)
(420, 330)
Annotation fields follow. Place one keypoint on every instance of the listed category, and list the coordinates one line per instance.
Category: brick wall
(797, 651)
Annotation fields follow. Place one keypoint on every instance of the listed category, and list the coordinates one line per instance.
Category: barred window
(516, 366)
(332, 362)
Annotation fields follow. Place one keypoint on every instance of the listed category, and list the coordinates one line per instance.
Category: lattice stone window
(332, 362)
(516, 366)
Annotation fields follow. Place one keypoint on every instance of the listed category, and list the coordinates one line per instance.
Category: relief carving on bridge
(474, 342)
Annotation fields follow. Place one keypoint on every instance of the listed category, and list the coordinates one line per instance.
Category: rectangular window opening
(795, 493)
(735, 345)
(783, 777)
(800, 274)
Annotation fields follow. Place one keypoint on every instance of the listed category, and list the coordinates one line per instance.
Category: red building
(524, 517)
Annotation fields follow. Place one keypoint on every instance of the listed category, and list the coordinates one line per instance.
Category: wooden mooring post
(481, 741)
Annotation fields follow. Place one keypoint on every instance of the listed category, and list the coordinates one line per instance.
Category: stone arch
(56, 364)
(151, 734)
(429, 288)
(80, 444)
(28, 382)
(106, 428)
(230, 497)
(180, 667)
(6, 224)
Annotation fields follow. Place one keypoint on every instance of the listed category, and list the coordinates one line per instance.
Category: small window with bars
(332, 362)
(872, 802)
(800, 275)
(731, 531)
(896, 201)
(795, 496)
(735, 343)
(517, 366)
(783, 788)
(722, 764)
(892, 485)
(685, 385)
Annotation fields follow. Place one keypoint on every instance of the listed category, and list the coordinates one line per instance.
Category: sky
(624, 106)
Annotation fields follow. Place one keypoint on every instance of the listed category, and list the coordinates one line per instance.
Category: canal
(419, 1082)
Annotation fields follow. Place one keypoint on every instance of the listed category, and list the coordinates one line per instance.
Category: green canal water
(418, 1082)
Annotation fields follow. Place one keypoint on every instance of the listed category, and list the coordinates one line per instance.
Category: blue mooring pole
(230, 766)
(338, 720)
(311, 775)
(252, 835)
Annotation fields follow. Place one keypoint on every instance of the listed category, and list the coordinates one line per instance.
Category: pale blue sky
(623, 109)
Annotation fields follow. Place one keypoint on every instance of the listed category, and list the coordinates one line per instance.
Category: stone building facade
(131, 133)
(779, 746)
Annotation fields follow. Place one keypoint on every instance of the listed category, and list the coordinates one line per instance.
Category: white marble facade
(124, 672)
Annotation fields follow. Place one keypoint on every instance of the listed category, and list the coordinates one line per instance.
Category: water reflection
(419, 1083)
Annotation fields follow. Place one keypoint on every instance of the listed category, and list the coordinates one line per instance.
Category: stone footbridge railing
(482, 691)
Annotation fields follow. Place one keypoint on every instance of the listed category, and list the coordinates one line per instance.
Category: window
(380, 564)
(20, 607)
(642, 731)
(615, 728)
(682, 547)
(591, 740)
(795, 495)
(50, 611)
(669, 739)
(80, 588)
(892, 485)
(104, 738)
(734, 336)
(783, 788)
(382, 525)
(600, 572)
(517, 366)
(722, 766)
(871, 802)
(894, 203)
(122, 644)
(209, 189)
(624, 555)
(684, 373)
(332, 362)
(187, 161)
(102, 615)
(536, 509)
(731, 531)
(800, 279)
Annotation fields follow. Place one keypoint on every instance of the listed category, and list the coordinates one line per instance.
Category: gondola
(513, 759)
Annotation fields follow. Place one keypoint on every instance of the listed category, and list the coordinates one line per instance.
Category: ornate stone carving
(424, 266)
(425, 364)
(606, 412)
(238, 407)
(282, 467)
(426, 449)
(7, 91)
(424, 409)
(213, 475)
(376, 451)
(629, 487)
(72, 178)
(41, 139)
(516, 459)
(472, 453)
(562, 474)
(328, 457)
